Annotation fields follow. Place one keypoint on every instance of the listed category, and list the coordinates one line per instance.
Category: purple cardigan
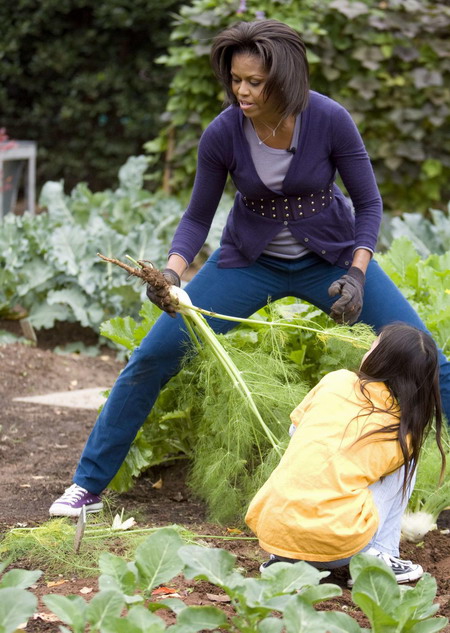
(329, 141)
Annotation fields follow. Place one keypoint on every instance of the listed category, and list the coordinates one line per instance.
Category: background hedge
(387, 62)
(79, 77)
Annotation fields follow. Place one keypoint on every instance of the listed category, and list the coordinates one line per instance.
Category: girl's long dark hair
(406, 361)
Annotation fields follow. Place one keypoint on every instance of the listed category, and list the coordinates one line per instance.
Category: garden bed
(39, 449)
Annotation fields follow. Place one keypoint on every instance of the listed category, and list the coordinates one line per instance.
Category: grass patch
(50, 546)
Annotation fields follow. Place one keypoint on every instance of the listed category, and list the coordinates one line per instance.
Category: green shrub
(79, 77)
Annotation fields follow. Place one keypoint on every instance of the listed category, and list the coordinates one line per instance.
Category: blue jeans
(237, 292)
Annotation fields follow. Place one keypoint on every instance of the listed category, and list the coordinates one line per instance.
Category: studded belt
(291, 207)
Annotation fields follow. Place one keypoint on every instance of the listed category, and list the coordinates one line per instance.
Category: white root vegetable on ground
(415, 525)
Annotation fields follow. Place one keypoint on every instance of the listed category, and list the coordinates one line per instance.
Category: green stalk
(323, 332)
(133, 261)
(192, 333)
(209, 337)
(116, 533)
(94, 533)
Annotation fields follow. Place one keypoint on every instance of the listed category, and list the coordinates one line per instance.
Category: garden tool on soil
(79, 532)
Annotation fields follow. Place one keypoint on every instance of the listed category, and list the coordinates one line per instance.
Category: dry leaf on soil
(214, 597)
(163, 591)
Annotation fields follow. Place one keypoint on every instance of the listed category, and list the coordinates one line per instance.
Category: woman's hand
(157, 297)
(351, 288)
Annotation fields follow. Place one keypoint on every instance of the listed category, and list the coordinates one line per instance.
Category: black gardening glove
(161, 297)
(351, 288)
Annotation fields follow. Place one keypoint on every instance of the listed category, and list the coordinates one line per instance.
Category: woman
(345, 479)
(290, 232)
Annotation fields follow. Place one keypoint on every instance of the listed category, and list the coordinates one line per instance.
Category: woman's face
(248, 78)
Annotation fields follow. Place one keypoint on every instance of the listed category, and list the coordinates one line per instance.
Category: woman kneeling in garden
(344, 482)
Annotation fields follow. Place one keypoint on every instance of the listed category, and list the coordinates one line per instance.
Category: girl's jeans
(237, 292)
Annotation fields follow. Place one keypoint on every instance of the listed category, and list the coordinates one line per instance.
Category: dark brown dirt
(40, 446)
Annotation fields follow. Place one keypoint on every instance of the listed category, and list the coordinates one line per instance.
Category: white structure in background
(12, 162)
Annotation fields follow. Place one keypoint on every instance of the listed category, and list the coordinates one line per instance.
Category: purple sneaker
(73, 499)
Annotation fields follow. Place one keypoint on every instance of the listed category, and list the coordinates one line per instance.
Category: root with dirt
(149, 275)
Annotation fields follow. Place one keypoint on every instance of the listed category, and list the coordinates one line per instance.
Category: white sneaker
(73, 499)
(404, 570)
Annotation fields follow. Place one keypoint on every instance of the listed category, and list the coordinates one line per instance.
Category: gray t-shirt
(271, 166)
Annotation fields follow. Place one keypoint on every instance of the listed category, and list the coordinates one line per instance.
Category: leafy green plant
(424, 282)
(392, 607)
(384, 62)
(49, 263)
(107, 92)
(429, 234)
(283, 598)
(16, 604)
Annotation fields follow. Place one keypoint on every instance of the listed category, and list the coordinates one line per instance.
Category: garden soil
(39, 449)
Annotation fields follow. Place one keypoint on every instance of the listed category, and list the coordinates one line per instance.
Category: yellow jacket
(316, 504)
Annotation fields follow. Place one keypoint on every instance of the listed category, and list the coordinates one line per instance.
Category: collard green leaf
(377, 594)
(20, 578)
(157, 558)
(52, 196)
(254, 592)
(103, 607)
(34, 275)
(337, 622)
(131, 175)
(400, 263)
(270, 625)
(75, 300)
(301, 617)
(16, 606)
(324, 591)
(199, 618)
(214, 565)
(43, 315)
(116, 574)
(68, 247)
(174, 604)
(381, 620)
(417, 602)
(289, 577)
(122, 625)
(144, 620)
(429, 626)
(69, 609)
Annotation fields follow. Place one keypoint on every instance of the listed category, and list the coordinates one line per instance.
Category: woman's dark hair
(406, 361)
(282, 53)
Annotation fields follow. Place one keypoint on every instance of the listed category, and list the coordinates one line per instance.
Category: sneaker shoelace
(392, 561)
(74, 493)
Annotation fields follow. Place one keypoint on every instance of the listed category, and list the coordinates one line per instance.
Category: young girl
(344, 482)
